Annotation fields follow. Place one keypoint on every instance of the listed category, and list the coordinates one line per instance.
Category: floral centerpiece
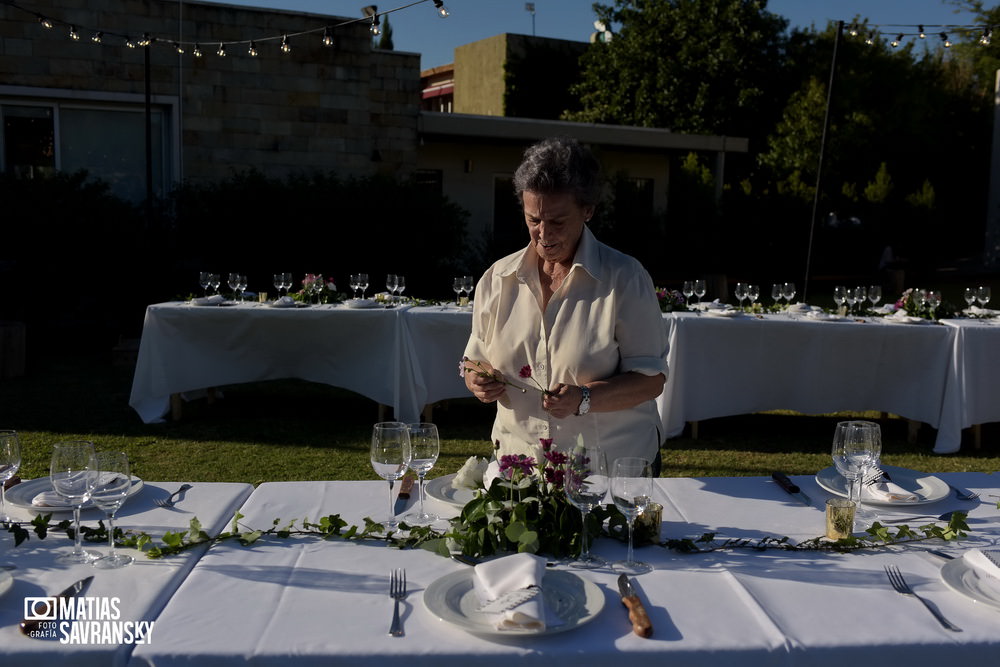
(316, 288)
(520, 506)
(914, 303)
(671, 301)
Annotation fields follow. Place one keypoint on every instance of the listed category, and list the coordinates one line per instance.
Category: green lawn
(292, 430)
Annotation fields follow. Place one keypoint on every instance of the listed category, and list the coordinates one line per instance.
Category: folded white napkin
(511, 574)
(284, 302)
(799, 308)
(213, 300)
(711, 305)
(988, 570)
(901, 317)
(982, 312)
(824, 317)
(887, 492)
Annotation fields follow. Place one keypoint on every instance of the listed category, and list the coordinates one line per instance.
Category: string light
(146, 39)
(870, 38)
(197, 50)
(46, 23)
(222, 50)
(179, 48)
(129, 43)
(98, 36)
(442, 10)
(285, 46)
(945, 40)
(985, 39)
(853, 31)
(327, 36)
(920, 31)
(896, 41)
(375, 29)
(73, 34)
(253, 49)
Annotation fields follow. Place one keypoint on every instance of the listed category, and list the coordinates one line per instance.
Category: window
(106, 140)
(431, 179)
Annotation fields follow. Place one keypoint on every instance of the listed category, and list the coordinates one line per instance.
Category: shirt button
(540, 367)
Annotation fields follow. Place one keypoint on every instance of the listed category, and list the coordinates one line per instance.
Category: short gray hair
(559, 164)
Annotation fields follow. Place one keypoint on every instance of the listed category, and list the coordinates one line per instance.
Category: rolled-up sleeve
(640, 329)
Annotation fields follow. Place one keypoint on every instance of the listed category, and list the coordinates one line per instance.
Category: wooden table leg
(977, 436)
(912, 428)
(176, 407)
(694, 430)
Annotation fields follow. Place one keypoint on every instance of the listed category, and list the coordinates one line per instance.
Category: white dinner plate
(572, 598)
(361, 303)
(722, 312)
(927, 488)
(21, 495)
(970, 582)
(6, 582)
(440, 488)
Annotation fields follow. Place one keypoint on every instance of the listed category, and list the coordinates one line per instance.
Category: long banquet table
(326, 602)
(947, 375)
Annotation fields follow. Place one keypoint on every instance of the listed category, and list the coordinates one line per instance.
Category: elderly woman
(569, 315)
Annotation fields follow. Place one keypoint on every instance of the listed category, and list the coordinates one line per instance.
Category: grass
(294, 430)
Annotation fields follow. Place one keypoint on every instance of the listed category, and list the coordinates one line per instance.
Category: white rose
(470, 475)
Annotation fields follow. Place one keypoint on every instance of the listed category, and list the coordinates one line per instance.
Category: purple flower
(511, 462)
(525, 371)
(546, 443)
(556, 458)
(555, 476)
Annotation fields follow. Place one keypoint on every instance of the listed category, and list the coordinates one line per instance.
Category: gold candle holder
(839, 518)
(261, 297)
(647, 524)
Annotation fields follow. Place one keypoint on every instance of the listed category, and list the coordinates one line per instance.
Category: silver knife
(31, 625)
(792, 489)
(405, 486)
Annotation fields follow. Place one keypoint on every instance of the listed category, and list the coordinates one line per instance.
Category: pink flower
(555, 476)
(511, 462)
(556, 458)
(525, 371)
(546, 443)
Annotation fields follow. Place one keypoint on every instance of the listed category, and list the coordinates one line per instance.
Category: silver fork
(964, 495)
(397, 591)
(898, 583)
(172, 498)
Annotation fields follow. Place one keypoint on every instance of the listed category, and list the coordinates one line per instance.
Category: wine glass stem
(392, 514)
(3, 502)
(584, 543)
(420, 491)
(631, 528)
(77, 542)
(111, 535)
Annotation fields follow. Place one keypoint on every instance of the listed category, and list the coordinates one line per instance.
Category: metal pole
(149, 139)
(819, 164)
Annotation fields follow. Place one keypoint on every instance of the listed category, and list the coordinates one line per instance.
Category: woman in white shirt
(579, 316)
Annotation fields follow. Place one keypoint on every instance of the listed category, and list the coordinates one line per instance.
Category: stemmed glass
(983, 296)
(933, 301)
(851, 299)
(363, 283)
(839, 296)
(874, 294)
(390, 284)
(204, 279)
(234, 284)
(631, 488)
(468, 285)
(857, 445)
(788, 291)
(776, 293)
(10, 463)
(400, 286)
(458, 286)
(112, 488)
(354, 284)
(390, 452)
(699, 289)
(687, 290)
(73, 473)
(970, 295)
(279, 282)
(242, 286)
(753, 293)
(741, 293)
(214, 281)
(425, 445)
(859, 298)
(585, 481)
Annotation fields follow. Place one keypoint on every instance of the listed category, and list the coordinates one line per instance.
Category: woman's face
(555, 223)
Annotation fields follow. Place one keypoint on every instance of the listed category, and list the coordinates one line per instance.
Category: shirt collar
(588, 258)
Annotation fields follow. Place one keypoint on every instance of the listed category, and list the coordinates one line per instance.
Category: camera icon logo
(41, 608)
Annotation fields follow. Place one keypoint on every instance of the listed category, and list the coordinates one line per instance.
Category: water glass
(687, 290)
(390, 284)
(354, 284)
(860, 297)
(585, 482)
(10, 463)
(631, 489)
(983, 296)
(214, 281)
(113, 484)
(468, 284)
(699, 289)
(400, 285)
(425, 445)
(390, 452)
(204, 279)
(458, 286)
(788, 291)
(753, 293)
(840, 295)
(857, 446)
(970, 295)
(73, 472)
(741, 293)
(874, 294)
(234, 284)
(777, 291)
(933, 301)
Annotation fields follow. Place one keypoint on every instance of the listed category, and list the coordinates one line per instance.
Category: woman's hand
(562, 400)
(486, 388)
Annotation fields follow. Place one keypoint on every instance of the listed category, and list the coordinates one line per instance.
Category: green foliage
(923, 198)
(877, 191)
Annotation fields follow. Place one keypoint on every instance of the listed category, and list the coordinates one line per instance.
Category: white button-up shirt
(603, 320)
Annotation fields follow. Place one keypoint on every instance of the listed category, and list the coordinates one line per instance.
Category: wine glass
(390, 452)
(279, 282)
(468, 284)
(933, 301)
(839, 296)
(390, 284)
(73, 473)
(699, 289)
(234, 284)
(741, 293)
(983, 296)
(10, 463)
(585, 482)
(112, 488)
(354, 284)
(214, 281)
(753, 293)
(851, 299)
(400, 286)
(788, 291)
(874, 294)
(856, 444)
(458, 286)
(286, 282)
(776, 293)
(425, 445)
(859, 297)
(687, 290)
(204, 278)
(363, 283)
(631, 488)
(242, 286)
(970, 295)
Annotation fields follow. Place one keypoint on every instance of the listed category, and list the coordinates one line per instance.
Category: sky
(420, 30)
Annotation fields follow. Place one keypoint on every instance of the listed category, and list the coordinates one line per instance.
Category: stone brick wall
(347, 108)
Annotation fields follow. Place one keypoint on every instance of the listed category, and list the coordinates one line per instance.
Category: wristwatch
(584, 402)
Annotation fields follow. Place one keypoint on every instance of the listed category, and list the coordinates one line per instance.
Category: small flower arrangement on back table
(317, 289)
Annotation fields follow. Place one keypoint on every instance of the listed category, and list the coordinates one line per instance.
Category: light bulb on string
(870, 38)
(73, 34)
(853, 30)
(196, 51)
(98, 36)
(375, 29)
(45, 21)
(897, 41)
(920, 30)
(146, 39)
(129, 43)
(327, 36)
(222, 50)
(285, 46)
(985, 39)
(179, 48)
(945, 40)
(253, 49)
(442, 10)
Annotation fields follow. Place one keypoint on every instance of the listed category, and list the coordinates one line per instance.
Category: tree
(699, 66)
(385, 41)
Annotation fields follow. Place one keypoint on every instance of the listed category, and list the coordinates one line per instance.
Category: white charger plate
(572, 598)
(21, 495)
(927, 488)
(440, 488)
(968, 581)
(6, 582)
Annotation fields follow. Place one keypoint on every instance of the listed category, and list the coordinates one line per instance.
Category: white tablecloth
(972, 395)
(326, 602)
(143, 587)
